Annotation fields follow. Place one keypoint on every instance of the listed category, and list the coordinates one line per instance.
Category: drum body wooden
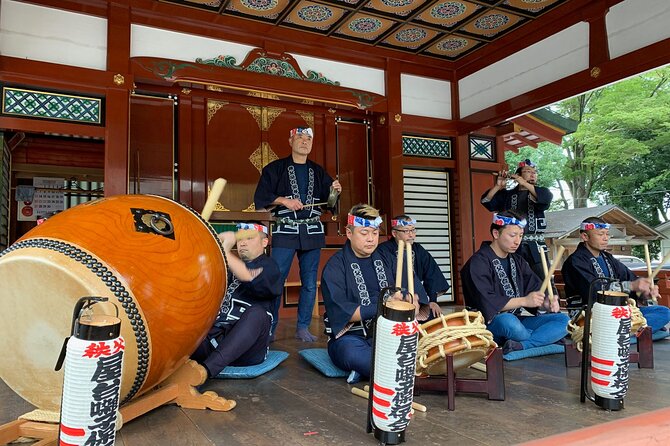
(462, 334)
(158, 261)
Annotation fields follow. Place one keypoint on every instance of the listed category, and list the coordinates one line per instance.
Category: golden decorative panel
(262, 156)
(264, 116)
(307, 117)
(213, 106)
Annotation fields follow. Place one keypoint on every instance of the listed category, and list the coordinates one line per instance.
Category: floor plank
(294, 404)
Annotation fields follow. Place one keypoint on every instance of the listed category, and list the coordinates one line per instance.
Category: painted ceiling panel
(447, 30)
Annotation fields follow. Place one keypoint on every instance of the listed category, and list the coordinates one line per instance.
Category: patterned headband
(301, 131)
(354, 220)
(588, 226)
(501, 220)
(410, 222)
(528, 163)
(253, 227)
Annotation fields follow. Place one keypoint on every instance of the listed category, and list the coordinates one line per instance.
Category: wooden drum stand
(493, 386)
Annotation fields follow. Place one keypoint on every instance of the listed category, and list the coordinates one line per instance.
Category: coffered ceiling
(446, 30)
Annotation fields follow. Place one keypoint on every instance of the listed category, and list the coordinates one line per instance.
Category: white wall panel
(52, 35)
(549, 60)
(422, 96)
(634, 24)
(155, 42)
(348, 75)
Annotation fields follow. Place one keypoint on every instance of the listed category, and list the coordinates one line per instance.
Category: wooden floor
(295, 405)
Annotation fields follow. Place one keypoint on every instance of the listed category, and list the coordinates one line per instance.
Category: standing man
(241, 333)
(590, 261)
(528, 200)
(351, 283)
(499, 283)
(289, 187)
(403, 227)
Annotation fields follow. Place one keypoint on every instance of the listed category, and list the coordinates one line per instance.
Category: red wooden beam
(524, 141)
(647, 428)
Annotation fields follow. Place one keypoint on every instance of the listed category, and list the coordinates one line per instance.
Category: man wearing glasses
(403, 227)
(527, 199)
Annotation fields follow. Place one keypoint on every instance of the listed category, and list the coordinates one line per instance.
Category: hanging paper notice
(49, 197)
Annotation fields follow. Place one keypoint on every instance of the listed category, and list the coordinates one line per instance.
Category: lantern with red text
(392, 372)
(92, 377)
(609, 349)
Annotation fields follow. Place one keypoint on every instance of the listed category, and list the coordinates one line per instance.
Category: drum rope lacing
(637, 322)
(475, 327)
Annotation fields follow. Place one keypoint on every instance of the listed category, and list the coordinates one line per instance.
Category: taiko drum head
(156, 260)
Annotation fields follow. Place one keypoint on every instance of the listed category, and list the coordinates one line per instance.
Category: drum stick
(410, 270)
(660, 266)
(323, 203)
(478, 366)
(543, 258)
(398, 268)
(213, 198)
(647, 259)
(550, 273)
(364, 392)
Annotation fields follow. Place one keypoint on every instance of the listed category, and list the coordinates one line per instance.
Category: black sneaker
(511, 346)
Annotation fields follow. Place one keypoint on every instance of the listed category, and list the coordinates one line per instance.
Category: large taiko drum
(159, 261)
(462, 334)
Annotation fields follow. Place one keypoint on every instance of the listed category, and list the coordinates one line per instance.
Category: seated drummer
(403, 227)
(350, 284)
(501, 285)
(241, 333)
(590, 261)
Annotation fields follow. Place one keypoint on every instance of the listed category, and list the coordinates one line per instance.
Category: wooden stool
(493, 386)
(644, 356)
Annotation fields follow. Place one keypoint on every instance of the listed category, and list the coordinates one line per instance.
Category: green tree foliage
(621, 148)
(620, 153)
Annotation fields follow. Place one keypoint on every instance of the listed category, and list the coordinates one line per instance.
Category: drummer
(590, 261)
(499, 282)
(351, 282)
(241, 333)
(403, 227)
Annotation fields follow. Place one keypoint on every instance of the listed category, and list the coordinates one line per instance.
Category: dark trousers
(351, 352)
(241, 344)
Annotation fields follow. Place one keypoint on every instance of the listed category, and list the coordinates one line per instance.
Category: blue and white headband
(528, 163)
(588, 226)
(253, 227)
(410, 222)
(501, 220)
(353, 220)
(301, 131)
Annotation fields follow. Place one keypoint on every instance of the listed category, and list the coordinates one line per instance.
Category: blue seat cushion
(660, 334)
(534, 351)
(319, 358)
(273, 359)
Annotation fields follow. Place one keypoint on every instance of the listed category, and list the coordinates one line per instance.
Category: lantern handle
(81, 305)
(586, 349)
